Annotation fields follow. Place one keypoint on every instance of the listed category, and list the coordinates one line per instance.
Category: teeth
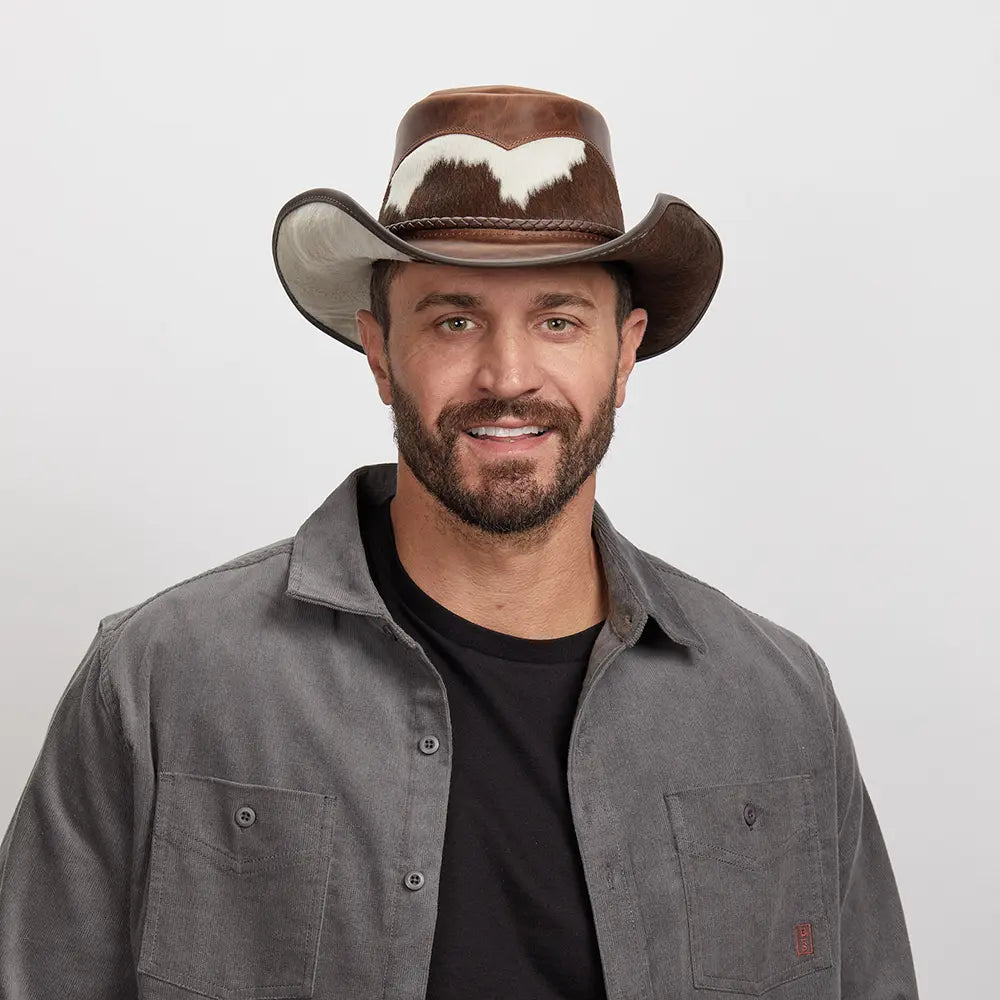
(505, 431)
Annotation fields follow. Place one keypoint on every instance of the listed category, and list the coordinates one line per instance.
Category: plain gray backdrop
(822, 448)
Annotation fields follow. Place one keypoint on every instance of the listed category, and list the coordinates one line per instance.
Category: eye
(456, 324)
(562, 324)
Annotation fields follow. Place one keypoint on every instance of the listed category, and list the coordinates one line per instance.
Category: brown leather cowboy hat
(497, 177)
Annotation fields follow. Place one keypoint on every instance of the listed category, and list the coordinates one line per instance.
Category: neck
(541, 584)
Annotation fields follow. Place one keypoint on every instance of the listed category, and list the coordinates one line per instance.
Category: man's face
(503, 384)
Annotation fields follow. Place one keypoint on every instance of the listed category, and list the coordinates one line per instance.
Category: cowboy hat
(497, 177)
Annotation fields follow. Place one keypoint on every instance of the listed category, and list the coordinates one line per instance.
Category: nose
(508, 363)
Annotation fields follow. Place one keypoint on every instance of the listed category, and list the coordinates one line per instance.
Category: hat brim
(324, 243)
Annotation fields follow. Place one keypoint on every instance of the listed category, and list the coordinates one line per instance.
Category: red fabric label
(803, 939)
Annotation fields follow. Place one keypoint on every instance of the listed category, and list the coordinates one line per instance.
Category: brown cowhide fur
(448, 190)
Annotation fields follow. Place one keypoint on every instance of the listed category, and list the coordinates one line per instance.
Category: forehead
(499, 286)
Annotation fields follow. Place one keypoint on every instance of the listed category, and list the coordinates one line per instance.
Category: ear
(373, 341)
(633, 330)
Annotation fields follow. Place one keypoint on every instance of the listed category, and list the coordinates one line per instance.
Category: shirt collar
(328, 564)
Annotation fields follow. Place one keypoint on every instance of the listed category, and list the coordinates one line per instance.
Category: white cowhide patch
(521, 171)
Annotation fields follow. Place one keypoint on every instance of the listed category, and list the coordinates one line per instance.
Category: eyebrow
(552, 300)
(463, 300)
(460, 299)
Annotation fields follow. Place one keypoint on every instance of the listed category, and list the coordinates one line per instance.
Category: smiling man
(458, 737)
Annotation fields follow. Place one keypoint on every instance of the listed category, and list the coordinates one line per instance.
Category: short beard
(509, 500)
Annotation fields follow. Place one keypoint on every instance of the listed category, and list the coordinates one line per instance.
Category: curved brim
(324, 244)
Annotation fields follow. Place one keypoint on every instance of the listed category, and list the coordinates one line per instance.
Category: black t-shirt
(514, 917)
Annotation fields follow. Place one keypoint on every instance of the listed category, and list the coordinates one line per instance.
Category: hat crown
(508, 116)
(502, 158)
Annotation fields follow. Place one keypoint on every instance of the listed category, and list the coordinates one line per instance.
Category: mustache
(454, 419)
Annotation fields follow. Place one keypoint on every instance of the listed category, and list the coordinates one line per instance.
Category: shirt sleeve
(65, 859)
(875, 961)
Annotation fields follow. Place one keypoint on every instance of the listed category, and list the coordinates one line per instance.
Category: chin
(511, 469)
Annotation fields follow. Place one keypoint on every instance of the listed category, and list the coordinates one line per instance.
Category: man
(458, 737)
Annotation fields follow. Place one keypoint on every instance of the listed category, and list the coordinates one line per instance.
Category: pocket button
(245, 816)
(414, 880)
(749, 814)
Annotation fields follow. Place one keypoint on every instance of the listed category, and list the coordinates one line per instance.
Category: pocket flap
(246, 825)
(748, 822)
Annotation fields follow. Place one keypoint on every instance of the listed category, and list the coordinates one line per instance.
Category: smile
(494, 438)
(497, 431)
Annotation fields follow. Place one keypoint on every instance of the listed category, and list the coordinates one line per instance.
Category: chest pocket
(238, 876)
(750, 860)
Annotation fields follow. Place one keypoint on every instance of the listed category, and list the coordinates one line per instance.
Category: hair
(383, 271)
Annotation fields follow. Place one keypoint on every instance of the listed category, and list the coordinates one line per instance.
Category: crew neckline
(465, 633)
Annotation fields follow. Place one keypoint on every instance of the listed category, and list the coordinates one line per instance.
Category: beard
(508, 498)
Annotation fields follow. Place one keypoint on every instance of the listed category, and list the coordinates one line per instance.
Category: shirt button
(245, 816)
(749, 814)
(429, 744)
(414, 880)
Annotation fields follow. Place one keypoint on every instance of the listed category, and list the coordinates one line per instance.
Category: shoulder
(738, 634)
(232, 590)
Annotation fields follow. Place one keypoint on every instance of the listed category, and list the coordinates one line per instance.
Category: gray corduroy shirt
(242, 795)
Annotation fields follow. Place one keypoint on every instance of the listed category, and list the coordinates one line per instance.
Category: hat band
(522, 225)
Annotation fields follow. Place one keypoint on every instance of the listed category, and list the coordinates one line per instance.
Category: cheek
(430, 385)
(587, 392)
(590, 365)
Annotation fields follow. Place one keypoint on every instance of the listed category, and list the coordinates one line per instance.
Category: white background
(823, 447)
